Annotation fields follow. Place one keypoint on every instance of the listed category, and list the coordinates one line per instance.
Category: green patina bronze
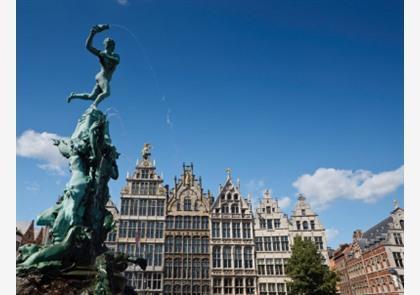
(79, 221)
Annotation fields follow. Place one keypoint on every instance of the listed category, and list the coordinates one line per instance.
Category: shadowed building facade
(232, 242)
(187, 237)
(142, 225)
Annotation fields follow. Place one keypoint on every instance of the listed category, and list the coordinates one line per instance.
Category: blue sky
(274, 90)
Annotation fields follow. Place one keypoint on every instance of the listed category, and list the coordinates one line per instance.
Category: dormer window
(187, 204)
(144, 173)
(229, 196)
(305, 225)
(225, 208)
(303, 212)
(235, 197)
(312, 224)
(234, 209)
(268, 209)
(298, 225)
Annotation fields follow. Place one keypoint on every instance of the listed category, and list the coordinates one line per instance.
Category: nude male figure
(108, 60)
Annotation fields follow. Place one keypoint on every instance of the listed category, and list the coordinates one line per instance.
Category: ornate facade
(306, 224)
(187, 237)
(232, 243)
(142, 224)
(272, 238)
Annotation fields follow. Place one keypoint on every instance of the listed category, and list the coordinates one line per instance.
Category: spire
(229, 173)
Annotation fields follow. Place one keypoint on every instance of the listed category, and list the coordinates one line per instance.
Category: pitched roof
(23, 225)
(377, 233)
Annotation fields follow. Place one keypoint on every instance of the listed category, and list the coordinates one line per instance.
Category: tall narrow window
(204, 245)
(269, 266)
(215, 229)
(187, 222)
(284, 243)
(267, 243)
(236, 230)
(205, 268)
(168, 268)
(196, 245)
(187, 204)
(169, 244)
(196, 269)
(246, 230)
(177, 268)
(312, 224)
(298, 225)
(278, 266)
(160, 207)
(248, 257)
(260, 267)
(258, 244)
(234, 209)
(227, 259)
(169, 222)
(204, 222)
(196, 222)
(276, 243)
(187, 244)
(216, 256)
(226, 230)
(178, 244)
(398, 239)
(398, 259)
(178, 222)
(238, 257)
(319, 243)
(305, 225)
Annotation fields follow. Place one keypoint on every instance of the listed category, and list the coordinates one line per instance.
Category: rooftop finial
(396, 205)
(301, 197)
(146, 151)
(266, 194)
(229, 173)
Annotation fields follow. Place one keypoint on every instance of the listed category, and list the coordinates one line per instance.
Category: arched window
(196, 290)
(167, 290)
(305, 225)
(229, 196)
(186, 268)
(187, 204)
(169, 244)
(177, 269)
(177, 290)
(234, 209)
(168, 268)
(196, 269)
(186, 289)
(205, 268)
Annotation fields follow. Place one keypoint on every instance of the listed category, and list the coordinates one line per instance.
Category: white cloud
(284, 202)
(32, 186)
(122, 2)
(328, 184)
(39, 146)
(331, 233)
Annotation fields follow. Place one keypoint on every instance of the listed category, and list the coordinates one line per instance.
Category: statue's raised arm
(108, 60)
